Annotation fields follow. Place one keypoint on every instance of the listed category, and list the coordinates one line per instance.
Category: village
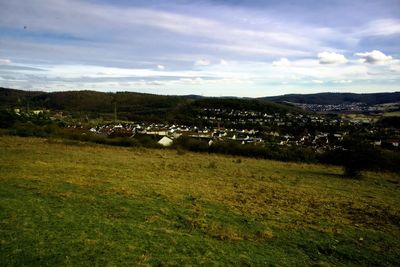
(321, 132)
(313, 130)
(358, 107)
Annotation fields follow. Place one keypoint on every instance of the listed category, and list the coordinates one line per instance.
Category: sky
(239, 48)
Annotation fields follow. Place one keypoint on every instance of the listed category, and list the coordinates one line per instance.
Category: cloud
(12, 67)
(104, 73)
(76, 71)
(202, 62)
(331, 58)
(253, 48)
(374, 57)
(134, 26)
(283, 62)
(382, 27)
(196, 40)
(317, 81)
(343, 81)
(4, 61)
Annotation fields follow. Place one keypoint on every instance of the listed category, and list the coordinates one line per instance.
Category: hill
(337, 98)
(70, 203)
(133, 106)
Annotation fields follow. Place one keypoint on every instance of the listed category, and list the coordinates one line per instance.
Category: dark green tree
(359, 156)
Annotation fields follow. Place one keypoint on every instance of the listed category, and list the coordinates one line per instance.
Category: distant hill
(337, 98)
(134, 106)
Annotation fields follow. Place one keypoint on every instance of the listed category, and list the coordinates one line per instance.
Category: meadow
(70, 203)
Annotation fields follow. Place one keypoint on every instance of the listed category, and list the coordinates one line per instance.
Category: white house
(165, 141)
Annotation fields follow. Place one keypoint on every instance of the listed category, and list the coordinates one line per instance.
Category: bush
(7, 119)
(247, 150)
(29, 129)
(357, 156)
(352, 171)
(123, 141)
(191, 144)
(147, 140)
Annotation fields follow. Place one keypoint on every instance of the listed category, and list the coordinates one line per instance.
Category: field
(70, 203)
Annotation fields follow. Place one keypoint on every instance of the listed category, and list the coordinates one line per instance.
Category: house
(392, 143)
(378, 143)
(176, 135)
(37, 112)
(165, 141)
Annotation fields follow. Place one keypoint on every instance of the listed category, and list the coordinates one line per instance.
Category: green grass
(71, 203)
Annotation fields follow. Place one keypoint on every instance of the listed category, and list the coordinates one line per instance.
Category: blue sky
(205, 47)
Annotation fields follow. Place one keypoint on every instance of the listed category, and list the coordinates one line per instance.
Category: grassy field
(73, 204)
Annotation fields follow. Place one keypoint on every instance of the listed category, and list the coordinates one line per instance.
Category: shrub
(7, 119)
(191, 144)
(28, 129)
(352, 171)
(358, 156)
(147, 140)
(122, 141)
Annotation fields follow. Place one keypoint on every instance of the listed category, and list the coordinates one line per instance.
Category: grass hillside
(67, 203)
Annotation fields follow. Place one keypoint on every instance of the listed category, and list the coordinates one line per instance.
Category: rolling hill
(134, 106)
(337, 98)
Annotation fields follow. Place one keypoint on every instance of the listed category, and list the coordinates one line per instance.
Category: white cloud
(331, 58)
(160, 67)
(223, 62)
(374, 57)
(196, 80)
(381, 27)
(283, 62)
(254, 47)
(4, 61)
(104, 73)
(202, 62)
(237, 75)
(317, 81)
(343, 81)
(395, 66)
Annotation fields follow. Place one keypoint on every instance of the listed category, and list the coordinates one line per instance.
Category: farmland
(72, 203)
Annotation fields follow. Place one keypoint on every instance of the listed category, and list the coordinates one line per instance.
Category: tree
(7, 118)
(358, 156)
